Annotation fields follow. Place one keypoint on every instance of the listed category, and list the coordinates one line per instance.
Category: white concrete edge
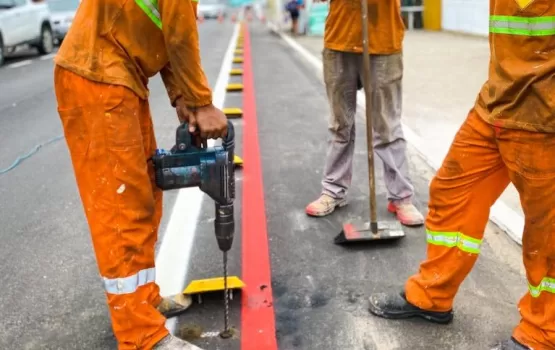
(172, 260)
(508, 220)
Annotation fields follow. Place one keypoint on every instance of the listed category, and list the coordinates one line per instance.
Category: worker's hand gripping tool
(212, 170)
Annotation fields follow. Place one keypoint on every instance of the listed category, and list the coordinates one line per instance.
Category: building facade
(464, 16)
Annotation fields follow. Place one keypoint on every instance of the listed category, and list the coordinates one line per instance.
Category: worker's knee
(436, 187)
(340, 129)
(440, 204)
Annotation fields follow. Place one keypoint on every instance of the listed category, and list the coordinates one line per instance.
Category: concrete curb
(508, 220)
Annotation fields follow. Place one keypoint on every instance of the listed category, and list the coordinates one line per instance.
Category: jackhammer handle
(228, 144)
(184, 138)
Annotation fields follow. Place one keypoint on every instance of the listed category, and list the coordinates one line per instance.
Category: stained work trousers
(341, 72)
(109, 133)
(481, 162)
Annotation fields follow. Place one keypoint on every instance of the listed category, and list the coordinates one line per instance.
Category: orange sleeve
(195, 5)
(171, 83)
(179, 26)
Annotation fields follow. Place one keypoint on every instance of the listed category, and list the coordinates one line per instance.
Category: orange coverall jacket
(519, 91)
(386, 29)
(123, 46)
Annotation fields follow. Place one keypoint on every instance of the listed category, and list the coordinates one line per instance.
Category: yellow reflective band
(523, 26)
(150, 7)
(546, 285)
(454, 239)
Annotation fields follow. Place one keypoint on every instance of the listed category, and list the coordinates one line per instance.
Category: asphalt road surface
(51, 296)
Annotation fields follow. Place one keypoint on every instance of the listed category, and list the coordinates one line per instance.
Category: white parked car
(62, 14)
(211, 8)
(25, 22)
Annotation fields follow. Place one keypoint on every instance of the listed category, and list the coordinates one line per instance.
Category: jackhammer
(211, 169)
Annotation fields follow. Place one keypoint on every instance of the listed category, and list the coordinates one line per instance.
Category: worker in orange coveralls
(508, 136)
(101, 75)
(342, 61)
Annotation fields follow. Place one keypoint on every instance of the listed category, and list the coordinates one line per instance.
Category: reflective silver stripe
(153, 6)
(126, 285)
(467, 245)
(525, 26)
(448, 241)
(150, 7)
(454, 239)
(546, 285)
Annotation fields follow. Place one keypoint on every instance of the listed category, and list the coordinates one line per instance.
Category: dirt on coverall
(101, 75)
(508, 136)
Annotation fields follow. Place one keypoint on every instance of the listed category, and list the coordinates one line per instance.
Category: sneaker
(396, 306)
(174, 305)
(510, 344)
(324, 205)
(406, 212)
(172, 343)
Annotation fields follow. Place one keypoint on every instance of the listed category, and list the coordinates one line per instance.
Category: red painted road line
(258, 331)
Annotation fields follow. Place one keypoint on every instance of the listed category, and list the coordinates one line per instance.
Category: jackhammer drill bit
(226, 333)
(224, 234)
(225, 228)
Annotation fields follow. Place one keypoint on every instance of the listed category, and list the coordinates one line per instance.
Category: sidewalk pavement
(443, 75)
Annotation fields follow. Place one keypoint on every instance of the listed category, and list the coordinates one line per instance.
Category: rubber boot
(510, 344)
(396, 306)
(172, 343)
(174, 305)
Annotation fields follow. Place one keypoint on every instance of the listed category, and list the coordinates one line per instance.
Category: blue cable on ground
(33, 151)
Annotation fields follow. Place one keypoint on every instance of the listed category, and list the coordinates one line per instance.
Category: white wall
(467, 16)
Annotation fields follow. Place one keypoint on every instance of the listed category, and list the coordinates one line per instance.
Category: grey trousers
(341, 71)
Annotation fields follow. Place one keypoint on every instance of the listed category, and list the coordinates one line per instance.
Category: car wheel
(2, 51)
(46, 44)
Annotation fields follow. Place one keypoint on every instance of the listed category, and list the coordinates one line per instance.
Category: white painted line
(48, 57)
(508, 220)
(172, 261)
(20, 64)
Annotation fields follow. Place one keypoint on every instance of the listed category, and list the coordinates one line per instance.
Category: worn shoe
(174, 305)
(324, 205)
(396, 306)
(406, 212)
(510, 344)
(172, 343)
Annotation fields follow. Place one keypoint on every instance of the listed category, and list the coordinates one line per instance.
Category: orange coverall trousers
(109, 133)
(482, 161)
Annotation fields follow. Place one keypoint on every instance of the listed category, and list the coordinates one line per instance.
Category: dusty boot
(324, 205)
(174, 305)
(172, 343)
(406, 212)
(395, 306)
(510, 344)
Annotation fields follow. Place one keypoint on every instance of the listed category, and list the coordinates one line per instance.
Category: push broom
(374, 230)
